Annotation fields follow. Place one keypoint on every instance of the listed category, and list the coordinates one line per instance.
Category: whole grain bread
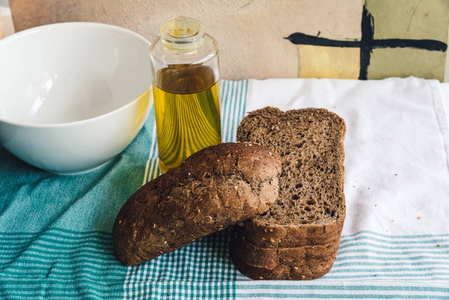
(215, 187)
(311, 269)
(310, 209)
(271, 258)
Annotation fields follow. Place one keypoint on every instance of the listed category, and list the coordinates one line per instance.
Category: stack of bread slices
(299, 236)
(280, 187)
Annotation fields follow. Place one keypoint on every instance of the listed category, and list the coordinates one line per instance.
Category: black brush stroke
(298, 38)
(367, 42)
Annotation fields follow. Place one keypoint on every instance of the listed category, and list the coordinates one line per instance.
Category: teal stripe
(230, 111)
(57, 232)
(59, 244)
(339, 296)
(431, 245)
(91, 248)
(224, 107)
(57, 268)
(376, 275)
(57, 265)
(52, 239)
(383, 258)
(432, 252)
(153, 170)
(57, 283)
(234, 104)
(243, 100)
(63, 293)
(387, 237)
(227, 103)
(242, 105)
(395, 243)
(234, 113)
(48, 290)
(344, 287)
(441, 270)
(339, 264)
(226, 111)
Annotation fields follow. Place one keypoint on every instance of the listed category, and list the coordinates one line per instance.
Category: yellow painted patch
(328, 62)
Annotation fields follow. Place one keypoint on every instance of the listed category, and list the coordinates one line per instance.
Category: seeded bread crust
(216, 187)
(310, 209)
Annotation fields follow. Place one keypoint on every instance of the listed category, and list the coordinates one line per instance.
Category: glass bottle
(185, 90)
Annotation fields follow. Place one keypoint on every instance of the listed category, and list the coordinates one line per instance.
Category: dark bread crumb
(216, 187)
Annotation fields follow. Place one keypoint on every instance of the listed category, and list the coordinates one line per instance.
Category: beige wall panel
(250, 33)
(396, 63)
(410, 19)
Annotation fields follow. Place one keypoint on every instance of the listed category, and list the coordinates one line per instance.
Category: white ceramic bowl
(73, 95)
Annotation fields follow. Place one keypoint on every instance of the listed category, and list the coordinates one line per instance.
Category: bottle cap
(182, 33)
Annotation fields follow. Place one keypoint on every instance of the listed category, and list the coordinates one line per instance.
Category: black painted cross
(367, 42)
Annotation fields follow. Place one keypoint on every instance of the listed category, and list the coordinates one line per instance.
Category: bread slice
(310, 209)
(271, 258)
(216, 187)
(306, 262)
(312, 269)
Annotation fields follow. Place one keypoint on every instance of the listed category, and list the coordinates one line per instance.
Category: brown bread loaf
(216, 187)
(310, 209)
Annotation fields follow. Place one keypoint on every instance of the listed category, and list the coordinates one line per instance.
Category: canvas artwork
(398, 38)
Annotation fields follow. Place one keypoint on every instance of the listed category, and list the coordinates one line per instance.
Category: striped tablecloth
(55, 231)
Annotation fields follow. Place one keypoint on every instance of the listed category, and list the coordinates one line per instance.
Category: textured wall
(251, 34)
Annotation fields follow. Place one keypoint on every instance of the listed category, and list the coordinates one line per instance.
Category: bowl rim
(77, 24)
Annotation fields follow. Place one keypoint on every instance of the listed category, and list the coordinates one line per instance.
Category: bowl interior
(69, 72)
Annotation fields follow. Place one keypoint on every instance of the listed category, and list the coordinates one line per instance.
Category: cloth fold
(55, 231)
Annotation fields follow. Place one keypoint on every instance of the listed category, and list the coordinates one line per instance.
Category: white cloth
(396, 146)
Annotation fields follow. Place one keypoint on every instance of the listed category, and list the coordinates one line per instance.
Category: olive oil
(187, 107)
